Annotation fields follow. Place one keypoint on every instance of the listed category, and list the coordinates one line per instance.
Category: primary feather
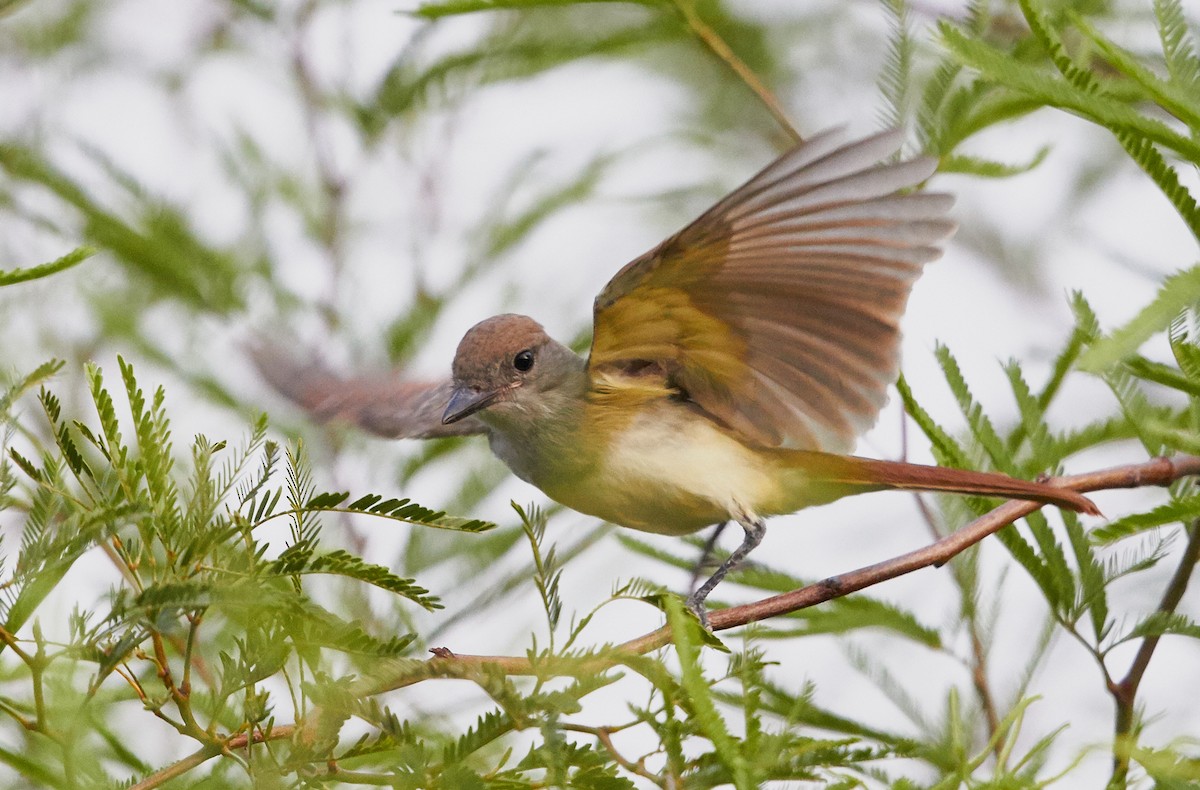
(778, 310)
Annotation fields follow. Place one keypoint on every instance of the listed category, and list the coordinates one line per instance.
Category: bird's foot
(755, 529)
(695, 603)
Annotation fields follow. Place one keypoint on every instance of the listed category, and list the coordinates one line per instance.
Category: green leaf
(1054, 562)
(191, 594)
(1091, 593)
(853, 613)
(1162, 374)
(987, 168)
(23, 385)
(62, 436)
(1178, 100)
(947, 451)
(1177, 511)
(1043, 89)
(896, 77)
(1171, 768)
(1183, 335)
(310, 625)
(504, 233)
(1171, 432)
(547, 571)
(981, 427)
(27, 466)
(487, 729)
(330, 500)
(1179, 52)
(685, 633)
(46, 565)
(1142, 151)
(404, 510)
(1179, 291)
(113, 447)
(159, 244)
(1082, 334)
(1034, 565)
(72, 258)
(297, 561)
(513, 53)
(1033, 424)
(1161, 624)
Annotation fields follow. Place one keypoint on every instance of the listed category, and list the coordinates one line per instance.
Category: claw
(696, 605)
(755, 529)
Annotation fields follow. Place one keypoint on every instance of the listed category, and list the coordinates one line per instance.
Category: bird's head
(505, 365)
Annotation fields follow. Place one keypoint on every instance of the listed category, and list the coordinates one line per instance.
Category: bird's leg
(755, 528)
(706, 555)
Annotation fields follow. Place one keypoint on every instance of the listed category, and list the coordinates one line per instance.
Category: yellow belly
(672, 471)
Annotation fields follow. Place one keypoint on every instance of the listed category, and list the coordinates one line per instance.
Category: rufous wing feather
(384, 405)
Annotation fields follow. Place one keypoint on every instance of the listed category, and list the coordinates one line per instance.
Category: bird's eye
(523, 361)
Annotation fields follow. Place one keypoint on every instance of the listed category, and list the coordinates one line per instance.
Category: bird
(732, 367)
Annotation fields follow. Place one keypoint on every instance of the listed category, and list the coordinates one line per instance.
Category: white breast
(670, 471)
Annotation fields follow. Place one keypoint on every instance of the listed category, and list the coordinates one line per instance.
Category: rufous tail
(868, 474)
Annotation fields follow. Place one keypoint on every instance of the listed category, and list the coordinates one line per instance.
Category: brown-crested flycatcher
(731, 368)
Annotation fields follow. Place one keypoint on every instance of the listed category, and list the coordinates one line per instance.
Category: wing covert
(778, 310)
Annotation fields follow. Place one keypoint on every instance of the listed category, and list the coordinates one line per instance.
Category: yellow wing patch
(777, 311)
(663, 325)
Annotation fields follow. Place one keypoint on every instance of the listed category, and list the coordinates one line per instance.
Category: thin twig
(176, 769)
(446, 664)
(604, 735)
(1125, 692)
(182, 703)
(210, 751)
(125, 673)
(718, 47)
(979, 678)
(926, 512)
(12, 643)
(359, 777)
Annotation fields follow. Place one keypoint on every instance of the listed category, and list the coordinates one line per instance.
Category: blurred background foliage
(362, 181)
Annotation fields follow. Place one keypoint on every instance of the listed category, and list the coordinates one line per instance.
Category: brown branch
(604, 735)
(979, 677)
(711, 39)
(176, 769)
(1125, 692)
(209, 751)
(401, 673)
(446, 664)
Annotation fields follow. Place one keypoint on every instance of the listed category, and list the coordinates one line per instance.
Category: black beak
(465, 401)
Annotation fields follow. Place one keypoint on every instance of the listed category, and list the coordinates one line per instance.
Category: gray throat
(538, 434)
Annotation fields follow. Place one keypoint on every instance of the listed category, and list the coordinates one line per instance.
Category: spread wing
(383, 405)
(777, 312)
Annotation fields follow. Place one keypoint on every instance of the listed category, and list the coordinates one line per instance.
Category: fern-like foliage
(197, 583)
(72, 258)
